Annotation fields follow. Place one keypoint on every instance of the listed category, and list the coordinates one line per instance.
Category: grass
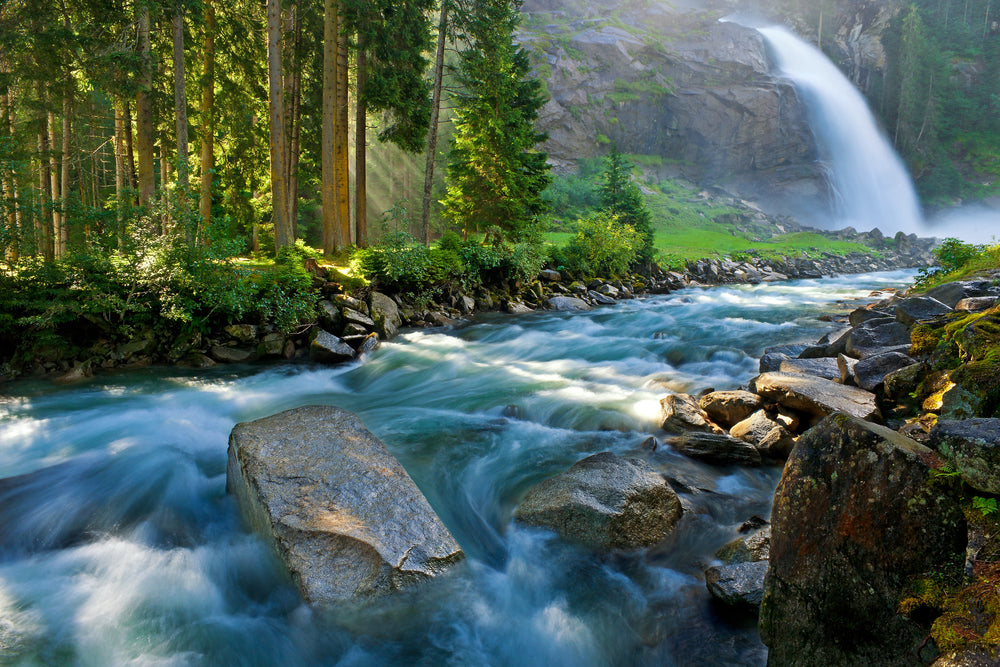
(986, 261)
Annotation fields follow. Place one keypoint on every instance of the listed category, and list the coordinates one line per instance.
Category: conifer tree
(621, 197)
(495, 173)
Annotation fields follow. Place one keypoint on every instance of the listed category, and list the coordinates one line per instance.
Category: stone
(608, 290)
(245, 333)
(549, 275)
(385, 314)
(976, 304)
(899, 384)
(329, 316)
(729, 407)
(753, 428)
(272, 345)
(518, 308)
(845, 365)
(144, 344)
(602, 299)
(370, 343)
(568, 303)
(230, 355)
(853, 520)
(815, 396)
(747, 549)
(972, 448)
(967, 657)
(917, 309)
(326, 348)
(349, 302)
(184, 343)
(771, 362)
(869, 373)
(951, 293)
(860, 315)
(717, 449)
(466, 304)
(340, 511)
(823, 367)
(738, 584)
(787, 418)
(357, 317)
(353, 329)
(868, 338)
(605, 502)
(196, 360)
(776, 444)
(681, 413)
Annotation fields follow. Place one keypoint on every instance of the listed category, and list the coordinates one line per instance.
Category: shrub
(602, 245)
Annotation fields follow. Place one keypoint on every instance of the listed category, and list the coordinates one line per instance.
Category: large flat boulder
(341, 512)
(717, 448)
(682, 413)
(604, 502)
(814, 395)
(822, 367)
(737, 584)
(854, 519)
(875, 336)
(916, 309)
(872, 371)
(729, 407)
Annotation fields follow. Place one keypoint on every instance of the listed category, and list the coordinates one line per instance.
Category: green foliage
(622, 198)
(953, 255)
(985, 506)
(603, 246)
(495, 175)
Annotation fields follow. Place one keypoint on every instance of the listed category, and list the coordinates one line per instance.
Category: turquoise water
(120, 545)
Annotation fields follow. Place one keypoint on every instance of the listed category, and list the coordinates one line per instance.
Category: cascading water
(119, 545)
(872, 186)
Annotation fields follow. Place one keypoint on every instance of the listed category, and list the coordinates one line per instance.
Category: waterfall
(871, 185)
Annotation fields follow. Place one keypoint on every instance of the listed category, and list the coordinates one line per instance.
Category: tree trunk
(120, 174)
(54, 189)
(331, 222)
(180, 112)
(10, 181)
(144, 113)
(208, 118)
(295, 123)
(43, 228)
(166, 221)
(432, 134)
(63, 239)
(361, 149)
(278, 149)
(342, 172)
(131, 181)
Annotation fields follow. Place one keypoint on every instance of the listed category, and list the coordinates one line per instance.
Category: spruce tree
(621, 197)
(495, 173)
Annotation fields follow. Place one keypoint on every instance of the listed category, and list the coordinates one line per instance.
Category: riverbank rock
(329, 349)
(717, 448)
(737, 584)
(822, 367)
(341, 512)
(854, 517)
(385, 315)
(916, 309)
(871, 372)
(604, 502)
(747, 549)
(681, 413)
(729, 407)
(568, 303)
(816, 396)
(972, 447)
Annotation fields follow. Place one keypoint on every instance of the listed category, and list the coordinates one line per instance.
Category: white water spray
(872, 186)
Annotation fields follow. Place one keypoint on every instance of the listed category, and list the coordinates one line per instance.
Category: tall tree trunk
(66, 145)
(180, 110)
(120, 174)
(129, 149)
(361, 149)
(10, 180)
(166, 221)
(43, 228)
(342, 173)
(208, 118)
(331, 223)
(295, 107)
(432, 134)
(54, 197)
(144, 113)
(278, 149)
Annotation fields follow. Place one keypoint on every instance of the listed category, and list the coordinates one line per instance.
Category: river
(122, 547)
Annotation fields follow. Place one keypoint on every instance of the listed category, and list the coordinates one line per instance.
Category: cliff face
(673, 82)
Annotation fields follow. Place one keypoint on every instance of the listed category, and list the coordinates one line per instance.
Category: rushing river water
(122, 546)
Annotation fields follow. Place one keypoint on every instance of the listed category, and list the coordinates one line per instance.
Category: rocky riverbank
(349, 325)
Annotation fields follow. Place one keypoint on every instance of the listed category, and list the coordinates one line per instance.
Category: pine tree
(621, 197)
(495, 174)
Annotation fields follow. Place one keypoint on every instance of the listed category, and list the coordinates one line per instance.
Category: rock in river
(605, 502)
(342, 513)
(815, 395)
(854, 518)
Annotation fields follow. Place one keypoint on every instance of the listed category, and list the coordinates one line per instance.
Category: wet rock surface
(342, 514)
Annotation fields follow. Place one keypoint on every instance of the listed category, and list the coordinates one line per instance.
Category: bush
(952, 254)
(602, 246)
